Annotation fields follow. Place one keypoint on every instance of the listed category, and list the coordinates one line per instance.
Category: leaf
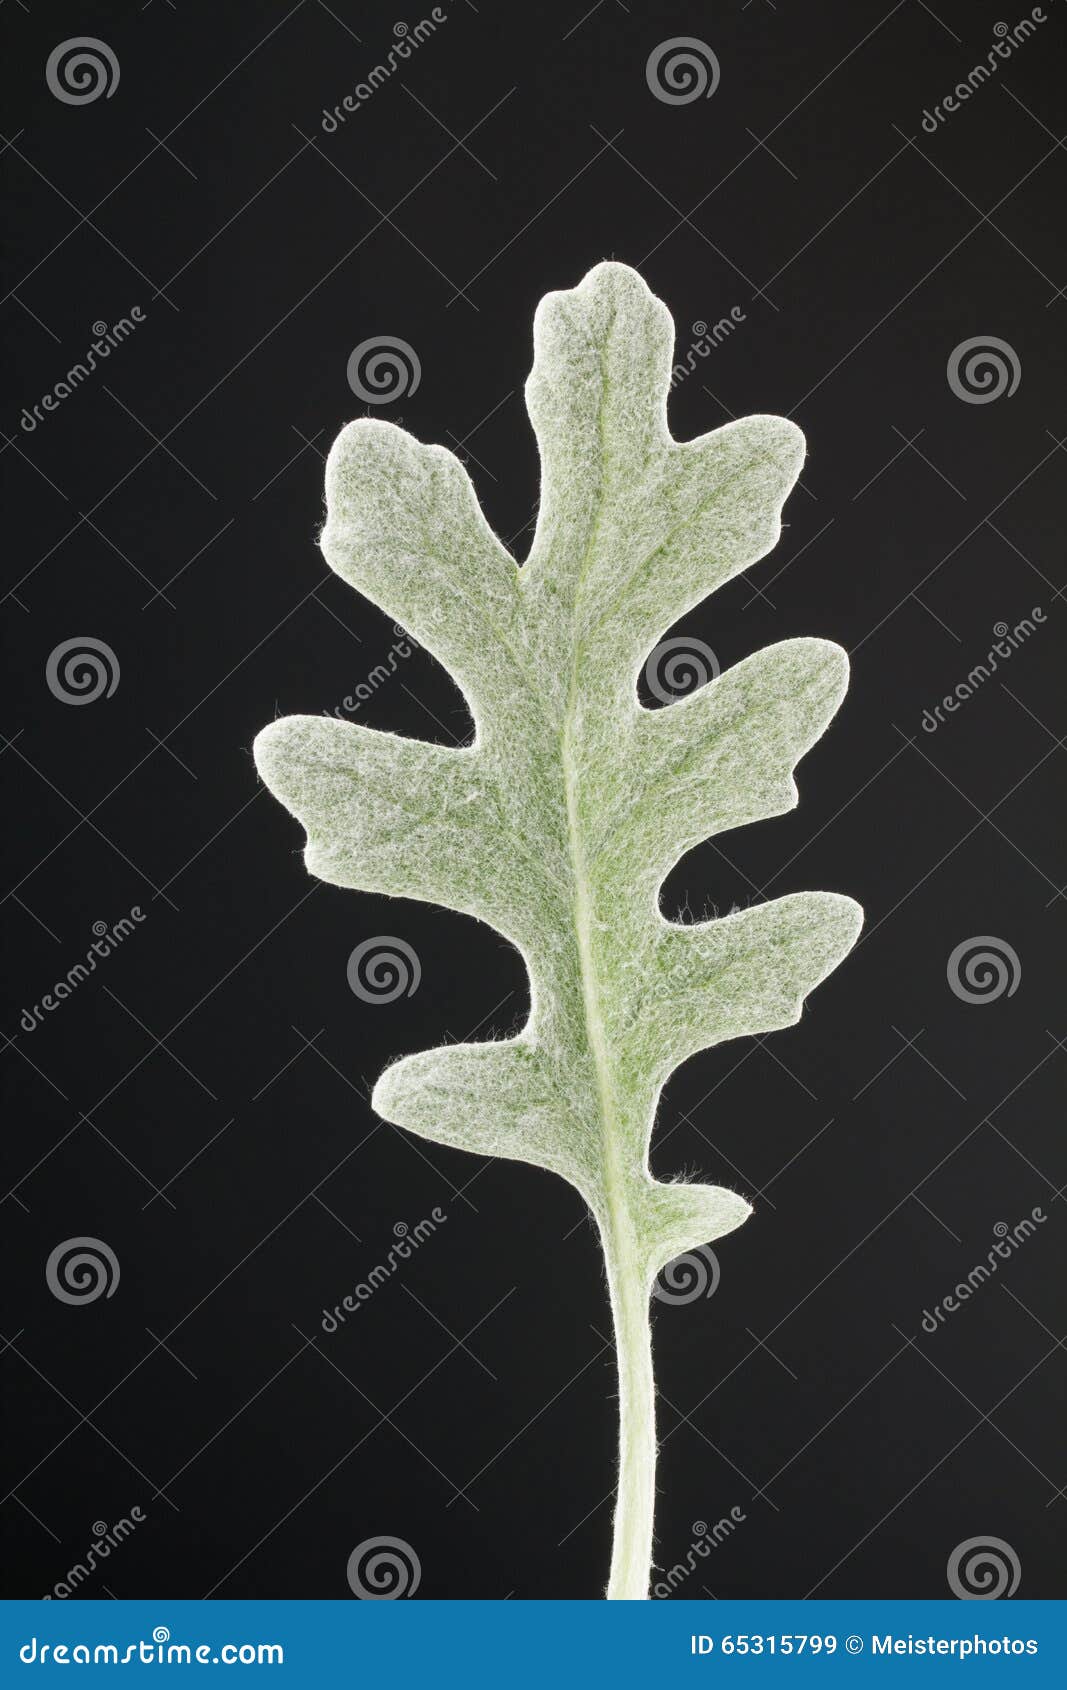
(559, 823)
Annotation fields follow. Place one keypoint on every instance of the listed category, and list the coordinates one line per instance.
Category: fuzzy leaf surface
(559, 823)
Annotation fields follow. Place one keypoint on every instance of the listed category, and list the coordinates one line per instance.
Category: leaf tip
(782, 438)
(838, 926)
(268, 752)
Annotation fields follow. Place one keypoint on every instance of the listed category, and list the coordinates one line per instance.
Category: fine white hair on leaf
(559, 823)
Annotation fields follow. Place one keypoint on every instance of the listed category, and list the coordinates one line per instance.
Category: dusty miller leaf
(559, 823)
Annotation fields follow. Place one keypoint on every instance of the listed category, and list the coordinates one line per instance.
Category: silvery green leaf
(559, 823)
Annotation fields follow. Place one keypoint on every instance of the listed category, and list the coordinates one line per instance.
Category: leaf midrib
(618, 1215)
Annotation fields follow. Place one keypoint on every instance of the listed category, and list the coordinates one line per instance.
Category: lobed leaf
(559, 824)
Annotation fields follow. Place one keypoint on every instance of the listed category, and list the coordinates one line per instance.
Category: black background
(201, 1103)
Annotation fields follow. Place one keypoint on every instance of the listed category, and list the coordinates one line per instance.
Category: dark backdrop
(199, 1103)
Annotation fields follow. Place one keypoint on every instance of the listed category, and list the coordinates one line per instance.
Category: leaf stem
(628, 1284)
(631, 1555)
